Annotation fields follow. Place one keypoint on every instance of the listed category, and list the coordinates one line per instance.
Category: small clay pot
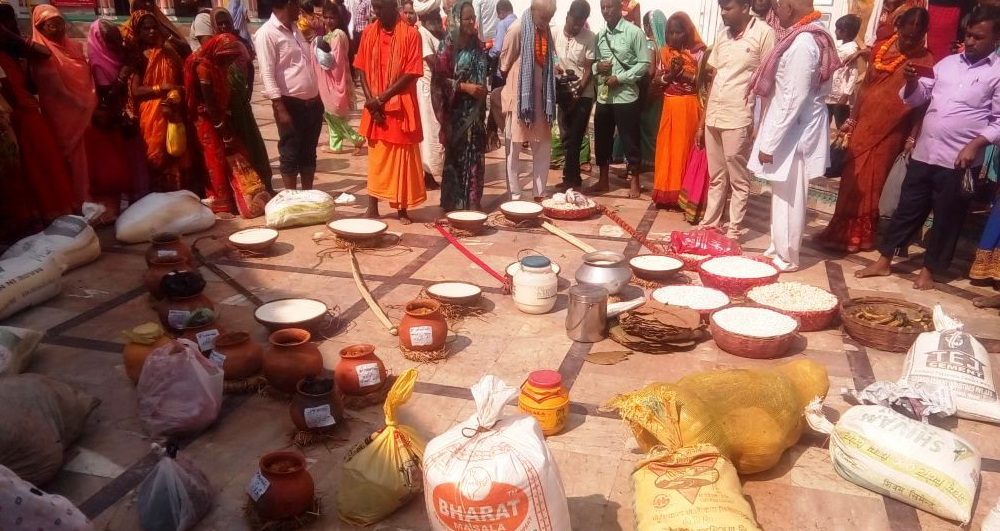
(174, 312)
(316, 406)
(290, 491)
(424, 327)
(159, 268)
(134, 353)
(360, 371)
(204, 336)
(290, 359)
(167, 245)
(241, 356)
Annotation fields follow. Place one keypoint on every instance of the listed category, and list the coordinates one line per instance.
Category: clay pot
(316, 406)
(290, 490)
(359, 371)
(167, 245)
(143, 340)
(174, 312)
(159, 268)
(290, 359)
(423, 328)
(241, 357)
(204, 336)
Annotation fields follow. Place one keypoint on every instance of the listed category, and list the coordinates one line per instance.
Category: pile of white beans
(738, 267)
(754, 322)
(694, 297)
(793, 297)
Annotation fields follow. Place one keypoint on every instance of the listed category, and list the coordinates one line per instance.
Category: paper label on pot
(368, 374)
(258, 486)
(206, 339)
(319, 416)
(421, 336)
(217, 358)
(178, 318)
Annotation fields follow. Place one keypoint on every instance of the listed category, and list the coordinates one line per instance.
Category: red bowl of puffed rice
(735, 275)
(815, 308)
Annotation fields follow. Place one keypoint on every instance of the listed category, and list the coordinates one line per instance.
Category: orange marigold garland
(541, 47)
(809, 19)
(895, 63)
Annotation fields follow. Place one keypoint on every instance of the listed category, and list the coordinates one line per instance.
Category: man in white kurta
(794, 134)
(431, 150)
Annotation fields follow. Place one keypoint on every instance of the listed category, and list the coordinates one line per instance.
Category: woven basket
(808, 321)
(737, 287)
(882, 337)
(569, 213)
(752, 347)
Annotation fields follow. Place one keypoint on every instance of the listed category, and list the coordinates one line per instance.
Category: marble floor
(595, 454)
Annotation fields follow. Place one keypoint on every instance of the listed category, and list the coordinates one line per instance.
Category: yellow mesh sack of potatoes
(751, 415)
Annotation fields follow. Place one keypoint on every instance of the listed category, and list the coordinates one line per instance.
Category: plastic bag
(708, 241)
(751, 415)
(918, 401)
(175, 495)
(883, 451)
(17, 347)
(23, 506)
(383, 471)
(180, 212)
(27, 281)
(293, 208)
(180, 391)
(69, 239)
(248, 189)
(493, 471)
(950, 357)
(694, 488)
(176, 139)
(39, 419)
(893, 187)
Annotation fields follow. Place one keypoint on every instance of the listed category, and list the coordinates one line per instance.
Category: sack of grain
(883, 451)
(25, 507)
(26, 281)
(694, 488)
(179, 212)
(69, 239)
(950, 357)
(493, 471)
(293, 208)
(17, 347)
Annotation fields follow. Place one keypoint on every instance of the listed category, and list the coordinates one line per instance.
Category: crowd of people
(442, 82)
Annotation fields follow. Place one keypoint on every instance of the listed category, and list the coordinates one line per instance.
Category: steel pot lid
(597, 257)
(535, 261)
(588, 293)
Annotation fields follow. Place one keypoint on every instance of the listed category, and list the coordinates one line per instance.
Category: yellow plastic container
(543, 397)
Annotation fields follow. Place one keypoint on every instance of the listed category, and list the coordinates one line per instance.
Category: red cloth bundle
(707, 241)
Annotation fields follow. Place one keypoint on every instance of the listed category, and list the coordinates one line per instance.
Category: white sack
(179, 212)
(69, 239)
(27, 281)
(17, 348)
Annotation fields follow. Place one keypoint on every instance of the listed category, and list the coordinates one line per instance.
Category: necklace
(895, 63)
(808, 19)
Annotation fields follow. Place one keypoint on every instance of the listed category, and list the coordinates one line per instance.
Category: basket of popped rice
(735, 275)
(815, 308)
(751, 331)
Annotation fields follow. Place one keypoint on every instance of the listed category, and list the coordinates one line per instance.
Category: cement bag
(22, 506)
(39, 419)
(383, 471)
(26, 282)
(69, 239)
(693, 488)
(751, 415)
(950, 357)
(17, 347)
(180, 212)
(493, 471)
(180, 391)
(883, 451)
(293, 208)
(175, 495)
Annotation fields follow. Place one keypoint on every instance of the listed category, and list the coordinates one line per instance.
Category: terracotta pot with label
(239, 356)
(282, 488)
(142, 340)
(316, 406)
(360, 371)
(204, 336)
(175, 312)
(290, 359)
(424, 327)
(167, 245)
(159, 268)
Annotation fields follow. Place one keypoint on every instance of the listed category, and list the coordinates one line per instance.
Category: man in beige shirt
(727, 131)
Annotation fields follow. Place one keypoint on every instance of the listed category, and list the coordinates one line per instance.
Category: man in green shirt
(622, 60)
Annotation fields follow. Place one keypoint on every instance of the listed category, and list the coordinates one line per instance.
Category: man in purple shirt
(962, 119)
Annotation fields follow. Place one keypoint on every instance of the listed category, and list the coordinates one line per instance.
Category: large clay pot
(142, 340)
(424, 327)
(159, 268)
(316, 406)
(288, 489)
(204, 336)
(167, 245)
(239, 356)
(359, 371)
(175, 312)
(291, 358)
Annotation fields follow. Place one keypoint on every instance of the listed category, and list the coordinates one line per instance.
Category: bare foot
(372, 212)
(404, 218)
(599, 188)
(539, 199)
(358, 146)
(430, 183)
(881, 268)
(989, 301)
(636, 188)
(925, 280)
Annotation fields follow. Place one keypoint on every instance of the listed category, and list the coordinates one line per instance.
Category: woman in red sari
(879, 129)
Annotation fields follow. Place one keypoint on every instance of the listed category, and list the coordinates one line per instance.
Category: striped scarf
(762, 82)
(525, 95)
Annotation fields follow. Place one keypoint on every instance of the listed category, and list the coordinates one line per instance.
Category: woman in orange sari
(882, 25)
(172, 35)
(879, 129)
(681, 108)
(156, 98)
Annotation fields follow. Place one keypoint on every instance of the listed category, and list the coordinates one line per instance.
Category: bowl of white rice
(735, 275)
(814, 307)
(753, 331)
